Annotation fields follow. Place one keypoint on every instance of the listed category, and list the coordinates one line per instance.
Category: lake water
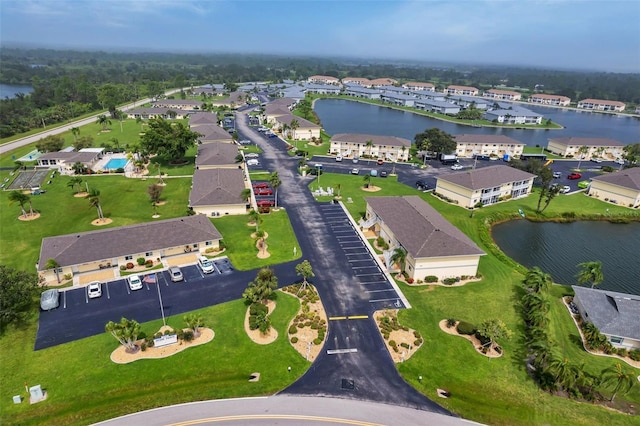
(342, 116)
(11, 90)
(558, 247)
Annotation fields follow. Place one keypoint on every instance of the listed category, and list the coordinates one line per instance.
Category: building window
(128, 258)
(148, 254)
(208, 243)
(616, 340)
(195, 245)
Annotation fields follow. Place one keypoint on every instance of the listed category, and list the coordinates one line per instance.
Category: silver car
(176, 274)
(50, 299)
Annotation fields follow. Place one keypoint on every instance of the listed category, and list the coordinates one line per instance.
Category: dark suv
(421, 184)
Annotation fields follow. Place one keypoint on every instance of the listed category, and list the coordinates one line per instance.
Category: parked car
(482, 157)
(574, 176)
(338, 158)
(383, 174)
(355, 171)
(457, 167)
(373, 173)
(251, 155)
(557, 175)
(205, 265)
(380, 162)
(596, 160)
(565, 189)
(421, 184)
(253, 162)
(50, 299)
(355, 159)
(245, 142)
(135, 283)
(264, 191)
(266, 203)
(583, 184)
(260, 185)
(620, 161)
(176, 274)
(272, 135)
(94, 289)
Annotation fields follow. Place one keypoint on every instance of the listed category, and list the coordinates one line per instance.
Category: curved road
(285, 410)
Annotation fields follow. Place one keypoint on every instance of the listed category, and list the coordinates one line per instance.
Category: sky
(601, 35)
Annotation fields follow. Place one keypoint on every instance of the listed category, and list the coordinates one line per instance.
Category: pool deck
(100, 165)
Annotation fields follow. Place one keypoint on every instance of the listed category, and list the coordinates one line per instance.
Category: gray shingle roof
(421, 230)
(200, 118)
(214, 187)
(487, 177)
(212, 132)
(105, 244)
(627, 178)
(376, 139)
(616, 314)
(216, 154)
(488, 139)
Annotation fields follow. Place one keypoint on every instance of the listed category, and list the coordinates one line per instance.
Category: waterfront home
(390, 148)
(97, 255)
(434, 246)
(621, 187)
(441, 107)
(217, 192)
(461, 90)
(217, 155)
(399, 99)
(361, 92)
(549, 99)
(616, 315)
(418, 86)
(465, 102)
(323, 79)
(505, 95)
(380, 82)
(323, 89)
(365, 82)
(306, 130)
(488, 185)
(601, 105)
(491, 145)
(517, 115)
(586, 148)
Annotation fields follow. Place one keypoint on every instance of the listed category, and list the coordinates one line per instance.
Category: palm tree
(104, 121)
(537, 281)
(94, 201)
(260, 237)
(78, 168)
(399, 256)
(255, 217)
(367, 180)
(53, 264)
(76, 180)
(275, 182)
(20, 198)
(245, 194)
(120, 116)
(239, 158)
(75, 131)
(116, 143)
(294, 125)
(369, 145)
(591, 272)
(194, 322)
(284, 128)
(404, 149)
(582, 150)
(621, 380)
(563, 372)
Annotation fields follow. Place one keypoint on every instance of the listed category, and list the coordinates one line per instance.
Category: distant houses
(491, 145)
(486, 185)
(586, 148)
(389, 148)
(601, 105)
(548, 99)
(462, 90)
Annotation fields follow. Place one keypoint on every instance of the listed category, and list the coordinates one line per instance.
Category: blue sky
(567, 34)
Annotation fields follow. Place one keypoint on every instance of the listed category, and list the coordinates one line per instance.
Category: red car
(261, 185)
(380, 162)
(264, 191)
(266, 203)
(574, 176)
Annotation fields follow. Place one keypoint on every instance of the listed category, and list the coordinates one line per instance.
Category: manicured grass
(241, 248)
(84, 386)
(123, 200)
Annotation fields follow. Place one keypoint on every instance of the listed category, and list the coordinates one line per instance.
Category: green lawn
(84, 386)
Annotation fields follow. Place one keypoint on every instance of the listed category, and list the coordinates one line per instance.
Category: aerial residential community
(197, 237)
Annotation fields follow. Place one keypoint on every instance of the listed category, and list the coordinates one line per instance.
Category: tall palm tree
(75, 131)
(53, 264)
(104, 121)
(369, 145)
(260, 237)
(537, 281)
(120, 116)
(239, 158)
(591, 272)
(367, 180)
(294, 125)
(255, 217)
(563, 372)
(275, 182)
(582, 150)
(621, 380)
(245, 194)
(94, 201)
(76, 180)
(285, 129)
(399, 256)
(20, 198)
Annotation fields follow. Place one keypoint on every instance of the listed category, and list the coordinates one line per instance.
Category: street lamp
(164, 322)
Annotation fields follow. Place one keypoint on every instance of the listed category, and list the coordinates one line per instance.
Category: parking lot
(379, 291)
(79, 316)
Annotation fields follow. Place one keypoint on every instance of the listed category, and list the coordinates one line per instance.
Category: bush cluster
(382, 243)
(141, 261)
(450, 281)
(466, 328)
(431, 279)
(257, 312)
(307, 318)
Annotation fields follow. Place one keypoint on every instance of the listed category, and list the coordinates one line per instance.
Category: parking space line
(337, 318)
(379, 291)
(383, 300)
(368, 275)
(107, 286)
(86, 295)
(64, 303)
(356, 254)
(360, 260)
(351, 317)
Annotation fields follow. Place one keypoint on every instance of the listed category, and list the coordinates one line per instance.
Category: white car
(557, 175)
(355, 171)
(251, 155)
(94, 289)
(176, 274)
(253, 162)
(339, 158)
(620, 161)
(206, 265)
(135, 283)
(597, 160)
(457, 167)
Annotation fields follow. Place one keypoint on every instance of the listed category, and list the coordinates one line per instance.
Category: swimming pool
(116, 163)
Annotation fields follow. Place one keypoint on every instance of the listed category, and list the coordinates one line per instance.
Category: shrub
(466, 328)
(392, 343)
(293, 329)
(143, 346)
(449, 281)
(621, 352)
(417, 342)
(294, 339)
(451, 322)
(404, 345)
(568, 215)
(149, 263)
(168, 332)
(608, 169)
(409, 280)
(635, 354)
(141, 261)
(317, 341)
(431, 279)
(417, 335)
(124, 267)
(129, 265)
(187, 336)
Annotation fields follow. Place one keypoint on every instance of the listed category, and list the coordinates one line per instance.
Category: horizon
(581, 35)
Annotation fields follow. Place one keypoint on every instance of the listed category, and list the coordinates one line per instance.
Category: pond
(343, 116)
(557, 248)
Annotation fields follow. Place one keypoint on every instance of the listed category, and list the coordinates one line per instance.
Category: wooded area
(68, 84)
